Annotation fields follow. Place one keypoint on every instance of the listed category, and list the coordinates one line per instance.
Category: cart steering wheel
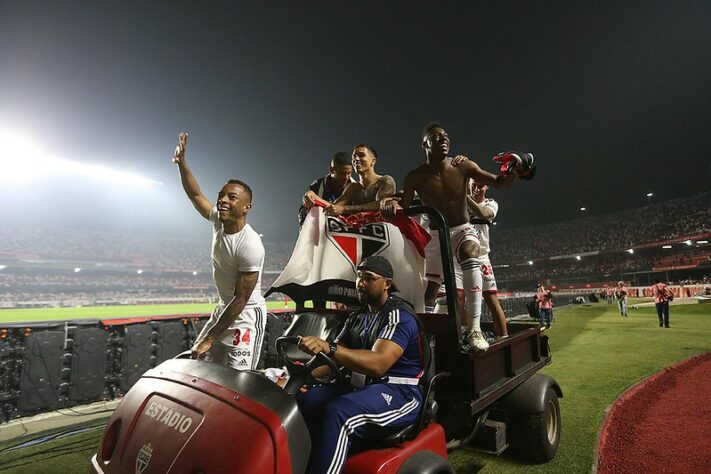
(299, 374)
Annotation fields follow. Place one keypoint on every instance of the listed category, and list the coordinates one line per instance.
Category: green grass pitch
(105, 312)
(597, 355)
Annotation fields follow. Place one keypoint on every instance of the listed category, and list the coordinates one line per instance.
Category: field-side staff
(380, 345)
(443, 186)
(662, 296)
(621, 295)
(545, 306)
(234, 333)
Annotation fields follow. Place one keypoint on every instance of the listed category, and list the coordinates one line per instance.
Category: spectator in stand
(330, 187)
(545, 306)
(662, 294)
(621, 295)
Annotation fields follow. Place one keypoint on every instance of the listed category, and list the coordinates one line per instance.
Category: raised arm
(472, 170)
(246, 281)
(190, 184)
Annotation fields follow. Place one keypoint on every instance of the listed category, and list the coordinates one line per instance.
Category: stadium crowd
(167, 264)
(153, 252)
(617, 231)
(52, 287)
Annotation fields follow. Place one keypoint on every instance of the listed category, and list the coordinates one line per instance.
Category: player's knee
(467, 250)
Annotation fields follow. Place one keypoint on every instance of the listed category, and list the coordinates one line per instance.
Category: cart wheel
(536, 437)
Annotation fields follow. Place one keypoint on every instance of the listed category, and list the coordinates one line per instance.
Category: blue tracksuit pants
(336, 417)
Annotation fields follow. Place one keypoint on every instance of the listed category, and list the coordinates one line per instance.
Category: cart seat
(323, 325)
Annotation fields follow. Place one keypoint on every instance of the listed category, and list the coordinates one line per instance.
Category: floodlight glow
(688, 242)
(17, 151)
(630, 251)
(649, 195)
(3, 267)
(77, 269)
(583, 209)
(139, 271)
(666, 246)
(530, 262)
(577, 257)
(702, 241)
(22, 160)
(194, 273)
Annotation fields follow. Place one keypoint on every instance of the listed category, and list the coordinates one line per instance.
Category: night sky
(613, 98)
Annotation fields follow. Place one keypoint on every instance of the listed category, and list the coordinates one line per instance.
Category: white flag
(327, 252)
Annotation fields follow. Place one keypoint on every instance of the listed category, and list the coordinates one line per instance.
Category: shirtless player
(366, 193)
(444, 187)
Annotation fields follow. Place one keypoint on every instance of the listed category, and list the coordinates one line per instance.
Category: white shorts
(487, 276)
(433, 258)
(240, 345)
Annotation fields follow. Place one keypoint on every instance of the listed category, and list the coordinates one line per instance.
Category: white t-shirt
(483, 228)
(234, 253)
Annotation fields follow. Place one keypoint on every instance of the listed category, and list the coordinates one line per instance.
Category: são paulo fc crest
(357, 244)
(143, 458)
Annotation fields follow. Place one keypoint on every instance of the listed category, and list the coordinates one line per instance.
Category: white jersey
(483, 228)
(234, 253)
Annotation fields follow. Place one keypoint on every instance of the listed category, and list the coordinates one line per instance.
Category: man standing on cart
(234, 333)
(366, 193)
(443, 186)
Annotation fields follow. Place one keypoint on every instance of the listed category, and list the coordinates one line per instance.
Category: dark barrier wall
(48, 366)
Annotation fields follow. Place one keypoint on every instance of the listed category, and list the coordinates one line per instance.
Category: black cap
(380, 266)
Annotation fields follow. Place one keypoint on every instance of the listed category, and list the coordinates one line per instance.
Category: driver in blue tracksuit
(382, 346)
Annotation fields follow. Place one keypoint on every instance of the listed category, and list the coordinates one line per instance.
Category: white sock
(471, 271)
(441, 305)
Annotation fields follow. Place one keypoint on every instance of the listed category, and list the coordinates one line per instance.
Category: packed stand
(669, 220)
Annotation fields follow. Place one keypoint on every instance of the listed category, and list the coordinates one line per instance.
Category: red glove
(521, 162)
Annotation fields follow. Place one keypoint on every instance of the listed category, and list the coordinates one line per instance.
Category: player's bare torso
(365, 194)
(444, 188)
